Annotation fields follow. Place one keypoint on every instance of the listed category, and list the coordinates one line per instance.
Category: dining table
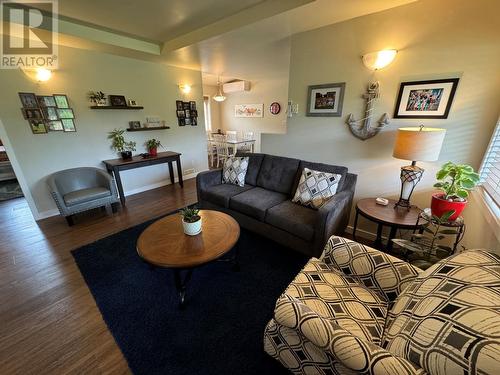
(236, 143)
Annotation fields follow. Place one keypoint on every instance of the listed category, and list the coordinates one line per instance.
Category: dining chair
(247, 147)
(232, 135)
(221, 146)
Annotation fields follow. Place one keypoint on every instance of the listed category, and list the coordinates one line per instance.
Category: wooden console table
(114, 166)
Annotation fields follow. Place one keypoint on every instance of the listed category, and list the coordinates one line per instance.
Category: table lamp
(415, 144)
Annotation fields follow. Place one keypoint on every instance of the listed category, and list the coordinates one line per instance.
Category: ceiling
(232, 38)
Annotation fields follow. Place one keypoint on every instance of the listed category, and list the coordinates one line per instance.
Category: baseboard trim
(363, 233)
(54, 212)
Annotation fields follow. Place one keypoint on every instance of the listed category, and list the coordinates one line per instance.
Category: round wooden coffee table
(164, 244)
(395, 218)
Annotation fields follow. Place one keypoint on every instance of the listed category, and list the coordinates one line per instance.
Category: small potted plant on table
(455, 181)
(191, 221)
(152, 146)
(119, 144)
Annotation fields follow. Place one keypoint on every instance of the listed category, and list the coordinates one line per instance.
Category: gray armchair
(80, 189)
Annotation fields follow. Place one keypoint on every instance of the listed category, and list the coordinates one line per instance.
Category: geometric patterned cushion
(235, 170)
(448, 320)
(316, 188)
(383, 273)
(341, 298)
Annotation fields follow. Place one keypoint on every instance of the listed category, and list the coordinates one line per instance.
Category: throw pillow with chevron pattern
(316, 188)
(235, 170)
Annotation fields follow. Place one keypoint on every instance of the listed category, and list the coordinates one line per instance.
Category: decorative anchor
(364, 131)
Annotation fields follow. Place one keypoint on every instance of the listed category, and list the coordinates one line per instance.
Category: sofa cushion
(235, 170)
(447, 320)
(85, 195)
(340, 298)
(278, 173)
(316, 188)
(221, 194)
(335, 169)
(256, 202)
(293, 218)
(254, 163)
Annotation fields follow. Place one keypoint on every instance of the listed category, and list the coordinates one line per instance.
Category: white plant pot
(192, 229)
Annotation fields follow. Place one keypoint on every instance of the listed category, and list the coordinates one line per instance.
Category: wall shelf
(146, 129)
(115, 107)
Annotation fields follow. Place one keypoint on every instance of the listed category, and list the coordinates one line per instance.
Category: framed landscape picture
(426, 99)
(38, 127)
(325, 100)
(249, 110)
(61, 101)
(69, 125)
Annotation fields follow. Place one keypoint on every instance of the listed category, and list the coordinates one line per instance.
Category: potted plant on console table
(455, 181)
(152, 146)
(191, 221)
(119, 144)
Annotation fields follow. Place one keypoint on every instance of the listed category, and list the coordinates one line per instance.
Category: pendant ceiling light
(220, 96)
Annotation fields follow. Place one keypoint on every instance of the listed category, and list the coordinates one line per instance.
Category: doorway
(9, 185)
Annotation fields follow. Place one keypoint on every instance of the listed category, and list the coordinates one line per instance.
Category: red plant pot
(439, 206)
(153, 151)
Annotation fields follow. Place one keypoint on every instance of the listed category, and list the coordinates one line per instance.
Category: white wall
(155, 86)
(448, 38)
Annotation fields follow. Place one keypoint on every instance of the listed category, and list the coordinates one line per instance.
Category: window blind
(490, 169)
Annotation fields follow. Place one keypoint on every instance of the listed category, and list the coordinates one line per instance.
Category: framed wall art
(325, 100)
(426, 99)
(249, 110)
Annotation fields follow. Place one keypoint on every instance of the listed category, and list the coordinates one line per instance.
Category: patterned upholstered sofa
(360, 311)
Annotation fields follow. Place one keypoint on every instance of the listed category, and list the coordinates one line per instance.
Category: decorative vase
(192, 229)
(153, 151)
(439, 206)
(126, 155)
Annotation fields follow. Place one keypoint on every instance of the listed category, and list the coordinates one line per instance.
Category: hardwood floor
(49, 322)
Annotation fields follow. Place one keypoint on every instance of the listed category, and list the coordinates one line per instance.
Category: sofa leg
(114, 208)
(69, 220)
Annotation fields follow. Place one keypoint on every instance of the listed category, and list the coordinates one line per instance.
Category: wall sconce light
(43, 75)
(186, 89)
(379, 59)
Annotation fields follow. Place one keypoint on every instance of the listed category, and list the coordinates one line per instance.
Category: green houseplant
(191, 221)
(119, 144)
(98, 97)
(152, 146)
(425, 248)
(455, 181)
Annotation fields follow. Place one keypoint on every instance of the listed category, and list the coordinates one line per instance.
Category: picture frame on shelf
(50, 113)
(54, 126)
(68, 125)
(134, 124)
(61, 101)
(38, 127)
(430, 99)
(325, 100)
(46, 101)
(132, 103)
(117, 101)
(32, 113)
(65, 113)
(28, 100)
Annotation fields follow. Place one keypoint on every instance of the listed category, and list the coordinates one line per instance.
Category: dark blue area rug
(220, 330)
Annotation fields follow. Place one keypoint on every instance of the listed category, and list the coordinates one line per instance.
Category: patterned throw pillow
(235, 170)
(316, 188)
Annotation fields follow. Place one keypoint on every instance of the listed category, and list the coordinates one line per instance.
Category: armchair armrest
(107, 181)
(206, 179)
(385, 274)
(353, 352)
(56, 194)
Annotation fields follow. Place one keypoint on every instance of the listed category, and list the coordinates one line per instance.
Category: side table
(458, 225)
(395, 218)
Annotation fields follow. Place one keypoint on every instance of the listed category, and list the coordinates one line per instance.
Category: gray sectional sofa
(264, 204)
